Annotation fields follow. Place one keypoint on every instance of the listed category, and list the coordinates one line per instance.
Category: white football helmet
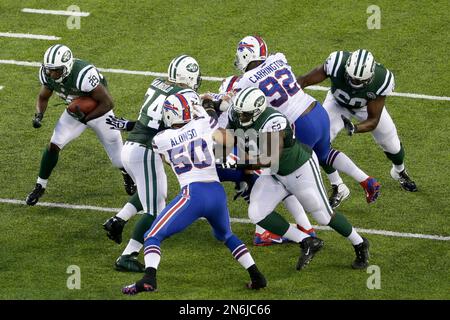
(58, 57)
(177, 109)
(251, 48)
(185, 70)
(248, 105)
(227, 84)
(360, 68)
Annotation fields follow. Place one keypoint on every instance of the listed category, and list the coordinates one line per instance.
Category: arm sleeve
(88, 79)
(388, 85)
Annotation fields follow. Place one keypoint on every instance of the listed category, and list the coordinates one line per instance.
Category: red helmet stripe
(232, 81)
(262, 46)
(185, 104)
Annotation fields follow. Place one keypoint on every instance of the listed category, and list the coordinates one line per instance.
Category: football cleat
(268, 238)
(130, 186)
(146, 284)
(257, 283)
(114, 227)
(362, 255)
(404, 179)
(309, 247)
(129, 263)
(33, 196)
(372, 188)
(338, 194)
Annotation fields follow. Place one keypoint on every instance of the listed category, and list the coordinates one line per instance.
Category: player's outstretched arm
(315, 76)
(41, 105)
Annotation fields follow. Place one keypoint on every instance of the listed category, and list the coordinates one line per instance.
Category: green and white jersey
(294, 153)
(349, 97)
(150, 120)
(83, 78)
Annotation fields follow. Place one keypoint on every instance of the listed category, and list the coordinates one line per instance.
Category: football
(86, 104)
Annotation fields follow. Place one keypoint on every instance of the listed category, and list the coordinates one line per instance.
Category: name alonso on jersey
(188, 135)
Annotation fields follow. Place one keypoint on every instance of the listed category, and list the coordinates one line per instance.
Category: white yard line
(159, 74)
(1, 87)
(28, 36)
(236, 220)
(56, 12)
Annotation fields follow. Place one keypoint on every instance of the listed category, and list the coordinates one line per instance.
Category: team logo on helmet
(260, 101)
(243, 45)
(192, 67)
(170, 107)
(66, 56)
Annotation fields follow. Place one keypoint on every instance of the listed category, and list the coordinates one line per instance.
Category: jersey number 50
(286, 89)
(183, 160)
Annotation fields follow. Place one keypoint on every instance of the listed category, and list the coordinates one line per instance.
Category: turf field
(38, 244)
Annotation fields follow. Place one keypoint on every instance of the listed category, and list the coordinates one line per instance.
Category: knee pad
(256, 213)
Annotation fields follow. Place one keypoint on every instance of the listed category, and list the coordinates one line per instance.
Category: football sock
(354, 237)
(48, 162)
(335, 178)
(327, 168)
(42, 182)
(152, 256)
(340, 224)
(239, 251)
(130, 209)
(344, 164)
(295, 234)
(399, 168)
(141, 227)
(259, 229)
(397, 158)
(132, 246)
(295, 208)
(275, 223)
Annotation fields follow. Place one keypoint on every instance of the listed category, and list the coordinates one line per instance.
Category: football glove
(37, 120)
(78, 114)
(120, 123)
(349, 126)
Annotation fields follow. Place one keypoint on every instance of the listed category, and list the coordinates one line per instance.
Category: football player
(293, 170)
(273, 75)
(140, 160)
(245, 179)
(71, 78)
(359, 87)
(188, 147)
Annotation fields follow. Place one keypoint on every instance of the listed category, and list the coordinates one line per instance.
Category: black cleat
(258, 280)
(129, 263)
(114, 227)
(309, 247)
(338, 194)
(362, 255)
(33, 196)
(405, 181)
(130, 186)
(146, 284)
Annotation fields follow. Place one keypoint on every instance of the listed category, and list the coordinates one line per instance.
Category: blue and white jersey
(189, 150)
(275, 78)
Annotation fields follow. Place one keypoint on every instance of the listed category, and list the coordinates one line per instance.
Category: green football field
(409, 232)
